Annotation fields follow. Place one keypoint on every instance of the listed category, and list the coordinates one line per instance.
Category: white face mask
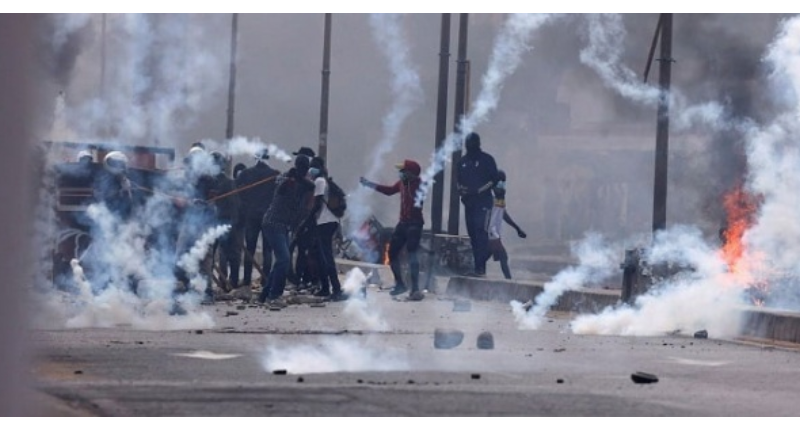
(313, 172)
(501, 185)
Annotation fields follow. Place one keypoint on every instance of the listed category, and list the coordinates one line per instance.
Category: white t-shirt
(325, 215)
(496, 222)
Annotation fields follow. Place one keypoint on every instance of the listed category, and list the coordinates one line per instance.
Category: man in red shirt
(408, 231)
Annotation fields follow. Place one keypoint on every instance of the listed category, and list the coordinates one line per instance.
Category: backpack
(337, 199)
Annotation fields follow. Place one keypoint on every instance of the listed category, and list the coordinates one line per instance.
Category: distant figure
(408, 231)
(257, 185)
(228, 248)
(476, 175)
(498, 216)
(304, 272)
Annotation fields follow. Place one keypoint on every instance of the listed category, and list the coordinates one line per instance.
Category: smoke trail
(242, 146)
(331, 354)
(357, 306)
(407, 96)
(597, 261)
(190, 261)
(161, 71)
(603, 54)
(512, 42)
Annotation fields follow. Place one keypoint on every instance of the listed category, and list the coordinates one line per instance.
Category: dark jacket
(289, 205)
(256, 200)
(227, 207)
(477, 173)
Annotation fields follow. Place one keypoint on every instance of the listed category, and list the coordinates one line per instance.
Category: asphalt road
(378, 358)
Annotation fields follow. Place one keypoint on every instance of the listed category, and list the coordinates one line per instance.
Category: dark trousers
(252, 230)
(277, 236)
(405, 235)
(229, 249)
(476, 216)
(328, 274)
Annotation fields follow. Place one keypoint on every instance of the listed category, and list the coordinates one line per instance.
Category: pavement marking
(686, 361)
(204, 354)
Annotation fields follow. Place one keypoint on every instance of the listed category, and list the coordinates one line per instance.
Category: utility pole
(232, 84)
(441, 122)
(662, 126)
(103, 58)
(326, 73)
(460, 109)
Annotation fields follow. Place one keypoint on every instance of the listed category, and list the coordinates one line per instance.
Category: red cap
(410, 166)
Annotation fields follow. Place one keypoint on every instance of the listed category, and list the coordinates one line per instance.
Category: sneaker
(208, 299)
(416, 296)
(322, 293)
(276, 304)
(477, 274)
(338, 297)
(398, 290)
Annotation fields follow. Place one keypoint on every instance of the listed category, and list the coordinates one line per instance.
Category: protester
(322, 225)
(281, 220)
(257, 188)
(498, 216)
(476, 175)
(408, 231)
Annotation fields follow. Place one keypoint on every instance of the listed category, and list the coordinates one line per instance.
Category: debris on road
(643, 378)
(447, 339)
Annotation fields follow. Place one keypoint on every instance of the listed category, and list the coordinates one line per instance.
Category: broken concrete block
(447, 339)
(485, 341)
(643, 378)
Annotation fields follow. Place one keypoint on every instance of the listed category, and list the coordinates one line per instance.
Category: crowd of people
(289, 213)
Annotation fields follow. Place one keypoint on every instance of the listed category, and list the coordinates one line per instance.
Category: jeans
(277, 235)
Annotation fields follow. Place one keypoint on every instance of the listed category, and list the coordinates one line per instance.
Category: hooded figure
(281, 221)
(408, 231)
(476, 176)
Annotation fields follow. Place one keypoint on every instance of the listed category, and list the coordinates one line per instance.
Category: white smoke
(358, 307)
(699, 295)
(241, 146)
(597, 261)
(407, 96)
(332, 354)
(511, 43)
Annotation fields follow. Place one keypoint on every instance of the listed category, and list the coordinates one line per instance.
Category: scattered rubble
(485, 341)
(643, 378)
(447, 339)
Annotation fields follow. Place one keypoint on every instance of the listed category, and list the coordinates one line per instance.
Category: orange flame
(740, 207)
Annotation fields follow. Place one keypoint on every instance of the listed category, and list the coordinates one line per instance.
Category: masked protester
(498, 216)
(257, 188)
(303, 271)
(228, 247)
(322, 224)
(280, 221)
(476, 175)
(408, 231)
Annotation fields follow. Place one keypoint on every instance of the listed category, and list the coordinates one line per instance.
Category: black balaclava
(301, 164)
(472, 143)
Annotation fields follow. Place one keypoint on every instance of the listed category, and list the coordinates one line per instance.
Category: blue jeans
(277, 235)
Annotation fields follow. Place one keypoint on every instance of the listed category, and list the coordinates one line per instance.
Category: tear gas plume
(241, 146)
(331, 354)
(597, 262)
(510, 45)
(700, 295)
(358, 307)
(407, 96)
